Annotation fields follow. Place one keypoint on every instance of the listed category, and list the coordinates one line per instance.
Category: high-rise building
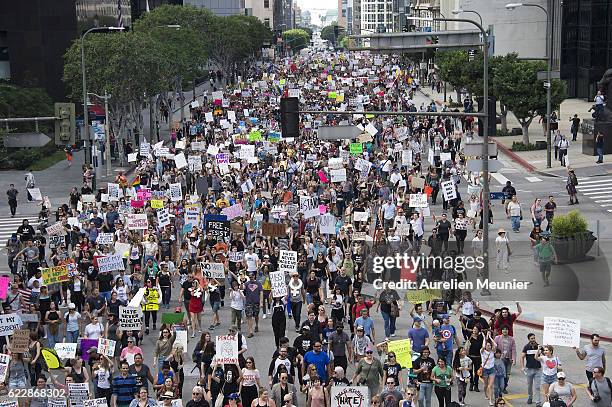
(219, 7)
(283, 16)
(262, 9)
(343, 13)
(585, 45)
(355, 16)
(376, 16)
(35, 34)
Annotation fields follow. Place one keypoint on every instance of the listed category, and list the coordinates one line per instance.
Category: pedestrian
(514, 213)
(69, 151)
(537, 212)
(12, 199)
(551, 365)
(546, 254)
(599, 147)
(503, 251)
(549, 210)
(30, 184)
(442, 377)
(594, 354)
(575, 126)
(570, 185)
(463, 368)
(532, 368)
(600, 389)
(487, 370)
(563, 147)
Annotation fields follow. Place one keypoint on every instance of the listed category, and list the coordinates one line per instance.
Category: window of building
(266, 3)
(267, 22)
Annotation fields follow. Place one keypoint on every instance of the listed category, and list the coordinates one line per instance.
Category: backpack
(574, 179)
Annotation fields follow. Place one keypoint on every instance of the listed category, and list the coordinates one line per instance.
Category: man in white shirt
(387, 214)
(251, 261)
(513, 211)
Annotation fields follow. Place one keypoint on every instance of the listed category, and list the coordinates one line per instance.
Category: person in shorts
(253, 292)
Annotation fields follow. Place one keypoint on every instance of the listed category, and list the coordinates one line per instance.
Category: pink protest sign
(323, 177)
(4, 283)
(143, 194)
(136, 204)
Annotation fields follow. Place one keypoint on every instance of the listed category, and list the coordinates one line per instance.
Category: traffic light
(492, 106)
(290, 117)
(65, 124)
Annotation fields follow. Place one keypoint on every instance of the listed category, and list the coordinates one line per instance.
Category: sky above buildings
(317, 7)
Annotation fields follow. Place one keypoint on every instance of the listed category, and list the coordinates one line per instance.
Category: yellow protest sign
(369, 116)
(54, 275)
(157, 203)
(340, 97)
(403, 352)
(420, 296)
(329, 78)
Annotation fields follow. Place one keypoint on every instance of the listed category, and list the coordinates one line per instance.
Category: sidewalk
(535, 161)
(592, 314)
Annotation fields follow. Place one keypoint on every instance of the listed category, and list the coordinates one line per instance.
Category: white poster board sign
(176, 192)
(287, 261)
(110, 263)
(213, 270)
(561, 332)
(106, 347)
(227, 349)
(104, 238)
(350, 396)
(327, 224)
(130, 318)
(448, 190)
(9, 323)
(137, 221)
(309, 206)
(66, 350)
(279, 286)
(418, 201)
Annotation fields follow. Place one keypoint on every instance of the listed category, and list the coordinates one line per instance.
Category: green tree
(328, 33)
(17, 101)
(452, 68)
(526, 99)
(297, 39)
(128, 66)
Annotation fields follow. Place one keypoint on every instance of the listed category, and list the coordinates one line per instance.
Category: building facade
(376, 16)
(262, 9)
(343, 13)
(283, 16)
(35, 34)
(586, 52)
(219, 7)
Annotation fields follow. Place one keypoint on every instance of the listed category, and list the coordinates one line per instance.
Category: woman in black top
(53, 325)
(313, 288)
(357, 281)
(164, 280)
(319, 266)
(392, 369)
(473, 347)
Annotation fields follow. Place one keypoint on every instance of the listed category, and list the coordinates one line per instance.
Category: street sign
(543, 75)
(475, 150)
(476, 165)
(18, 140)
(338, 132)
(496, 195)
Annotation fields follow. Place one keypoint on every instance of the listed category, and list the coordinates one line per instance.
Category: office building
(262, 9)
(219, 7)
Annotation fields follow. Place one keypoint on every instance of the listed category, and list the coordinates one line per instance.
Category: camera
(597, 398)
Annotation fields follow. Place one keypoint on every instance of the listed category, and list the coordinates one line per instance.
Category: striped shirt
(124, 388)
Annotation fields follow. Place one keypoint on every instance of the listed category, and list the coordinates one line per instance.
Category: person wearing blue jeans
(72, 324)
(387, 304)
(422, 368)
(599, 145)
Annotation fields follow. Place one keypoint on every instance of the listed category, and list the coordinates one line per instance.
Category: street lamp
(459, 11)
(106, 131)
(88, 157)
(548, 84)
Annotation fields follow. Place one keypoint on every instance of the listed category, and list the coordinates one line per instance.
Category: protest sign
(66, 350)
(444, 157)
(20, 342)
(4, 284)
(327, 224)
(448, 190)
(137, 221)
(406, 157)
(361, 216)
(144, 194)
(56, 229)
(418, 201)
(88, 198)
(309, 206)
(176, 192)
(122, 249)
(136, 203)
(85, 345)
(213, 270)
(421, 296)
(145, 148)
(180, 161)
(350, 396)
(356, 148)
(56, 402)
(101, 402)
(287, 261)
(104, 238)
(110, 263)
(35, 193)
(279, 286)
(106, 347)
(113, 192)
(130, 318)
(417, 182)
(52, 275)
(9, 323)
(226, 347)
(195, 163)
(235, 257)
(157, 203)
(403, 352)
(219, 229)
(78, 393)
(5, 360)
(338, 175)
(222, 158)
(561, 332)
(132, 157)
(273, 229)
(172, 318)
(181, 339)
(163, 217)
(402, 229)
(234, 211)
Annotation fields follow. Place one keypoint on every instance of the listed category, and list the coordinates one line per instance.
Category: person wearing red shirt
(507, 319)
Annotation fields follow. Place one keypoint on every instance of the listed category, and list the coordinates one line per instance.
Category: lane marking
(499, 178)
(533, 179)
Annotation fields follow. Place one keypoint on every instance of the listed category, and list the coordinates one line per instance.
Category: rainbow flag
(136, 182)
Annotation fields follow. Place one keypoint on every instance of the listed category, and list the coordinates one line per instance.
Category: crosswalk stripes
(599, 189)
(9, 225)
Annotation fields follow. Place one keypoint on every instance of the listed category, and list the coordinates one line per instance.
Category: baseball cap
(306, 327)
(417, 319)
(167, 395)
(233, 396)
(561, 375)
(71, 306)
(360, 328)
(92, 349)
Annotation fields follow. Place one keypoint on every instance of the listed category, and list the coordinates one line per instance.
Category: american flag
(119, 14)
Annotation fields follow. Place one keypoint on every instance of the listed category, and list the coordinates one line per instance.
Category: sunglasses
(196, 394)
(369, 352)
(409, 394)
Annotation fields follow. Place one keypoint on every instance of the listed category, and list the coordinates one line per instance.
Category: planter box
(573, 248)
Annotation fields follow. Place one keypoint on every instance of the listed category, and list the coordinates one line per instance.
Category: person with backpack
(600, 389)
(570, 186)
(561, 393)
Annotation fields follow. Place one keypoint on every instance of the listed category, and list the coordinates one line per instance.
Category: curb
(540, 326)
(515, 157)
